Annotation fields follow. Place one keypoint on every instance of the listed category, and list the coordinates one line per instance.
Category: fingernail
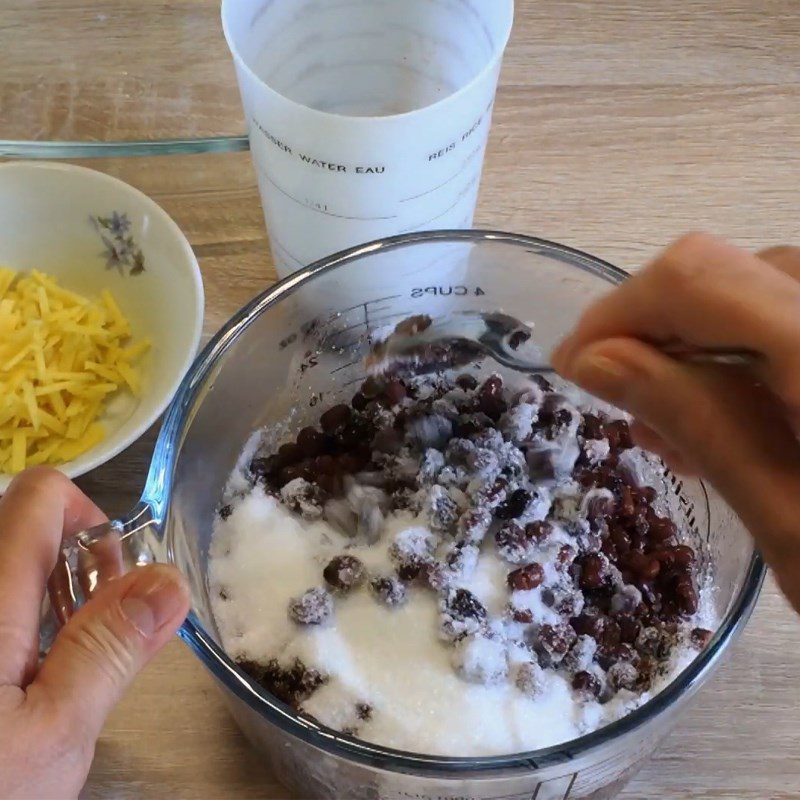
(154, 598)
(602, 376)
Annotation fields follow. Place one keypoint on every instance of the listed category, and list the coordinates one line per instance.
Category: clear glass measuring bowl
(297, 347)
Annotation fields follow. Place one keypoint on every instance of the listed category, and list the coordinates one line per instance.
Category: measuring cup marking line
(393, 315)
(368, 303)
(288, 255)
(448, 88)
(366, 323)
(514, 796)
(571, 784)
(459, 198)
(379, 310)
(316, 328)
(328, 338)
(373, 321)
(359, 379)
(319, 210)
(286, 250)
(479, 21)
(345, 366)
(369, 325)
(259, 13)
(466, 161)
(349, 345)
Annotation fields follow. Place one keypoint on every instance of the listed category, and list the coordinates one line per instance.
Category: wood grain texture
(618, 125)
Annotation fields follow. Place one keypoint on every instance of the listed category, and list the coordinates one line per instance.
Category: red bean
(311, 442)
(528, 577)
(289, 454)
(335, 418)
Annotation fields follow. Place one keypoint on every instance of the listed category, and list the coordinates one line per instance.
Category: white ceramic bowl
(66, 221)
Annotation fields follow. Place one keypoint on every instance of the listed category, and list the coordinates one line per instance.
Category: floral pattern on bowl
(121, 251)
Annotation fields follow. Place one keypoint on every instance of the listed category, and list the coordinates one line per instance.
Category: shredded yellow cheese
(62, 356)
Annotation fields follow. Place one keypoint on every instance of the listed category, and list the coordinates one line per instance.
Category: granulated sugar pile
(457, 569)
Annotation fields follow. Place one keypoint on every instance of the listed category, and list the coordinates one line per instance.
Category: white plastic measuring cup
(366, 117)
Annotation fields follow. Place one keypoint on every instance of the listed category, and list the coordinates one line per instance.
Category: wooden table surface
(619, 124)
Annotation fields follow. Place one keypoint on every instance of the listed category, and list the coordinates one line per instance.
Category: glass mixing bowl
(299, 346)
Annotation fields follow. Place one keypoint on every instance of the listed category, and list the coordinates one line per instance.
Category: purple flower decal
(121, 251)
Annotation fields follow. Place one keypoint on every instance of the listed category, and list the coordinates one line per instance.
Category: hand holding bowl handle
(51, 713)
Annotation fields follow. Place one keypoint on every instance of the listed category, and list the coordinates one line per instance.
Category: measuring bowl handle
(89, 559)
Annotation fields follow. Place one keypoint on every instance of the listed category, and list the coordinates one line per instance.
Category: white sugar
(471, 667)
(392, 659)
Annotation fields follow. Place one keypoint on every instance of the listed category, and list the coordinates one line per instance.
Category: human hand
(737, 427)
(51, 715)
